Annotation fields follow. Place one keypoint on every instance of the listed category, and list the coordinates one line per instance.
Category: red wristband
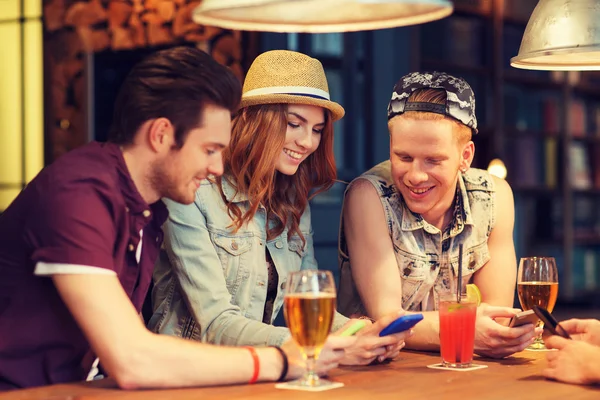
(256, 364)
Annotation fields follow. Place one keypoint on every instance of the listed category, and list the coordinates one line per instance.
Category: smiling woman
(227, 257)
(256, 217)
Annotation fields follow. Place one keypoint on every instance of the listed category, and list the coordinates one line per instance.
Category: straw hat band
(291, 90)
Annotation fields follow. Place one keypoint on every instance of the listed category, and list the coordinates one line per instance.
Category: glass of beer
(537, 284)
(309, 305)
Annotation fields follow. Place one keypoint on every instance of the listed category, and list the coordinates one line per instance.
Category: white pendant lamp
(561, 35)
(318, 16)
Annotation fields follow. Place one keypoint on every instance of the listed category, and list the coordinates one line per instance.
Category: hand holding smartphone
(550, 323)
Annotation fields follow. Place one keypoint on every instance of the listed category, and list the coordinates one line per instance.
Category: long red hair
(257, 139)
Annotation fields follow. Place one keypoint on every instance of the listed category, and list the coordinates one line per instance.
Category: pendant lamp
(561, 35)
(318, 16)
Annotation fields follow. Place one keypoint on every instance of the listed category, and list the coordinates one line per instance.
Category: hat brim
(337, 111)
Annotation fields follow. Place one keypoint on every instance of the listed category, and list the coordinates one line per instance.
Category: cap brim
(337, 111)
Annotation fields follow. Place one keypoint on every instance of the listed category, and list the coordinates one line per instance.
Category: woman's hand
(369, 346)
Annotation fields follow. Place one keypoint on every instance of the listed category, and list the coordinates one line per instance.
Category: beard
(167, 182)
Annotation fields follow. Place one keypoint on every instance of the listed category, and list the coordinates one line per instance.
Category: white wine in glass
(309, 305)
(537, 285)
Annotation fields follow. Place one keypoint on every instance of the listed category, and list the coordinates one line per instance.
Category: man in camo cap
(404, 220)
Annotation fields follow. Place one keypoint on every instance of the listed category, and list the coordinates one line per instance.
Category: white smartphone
(522, 318)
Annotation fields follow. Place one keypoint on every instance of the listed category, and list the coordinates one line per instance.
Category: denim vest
(427, 257)
(211, 284)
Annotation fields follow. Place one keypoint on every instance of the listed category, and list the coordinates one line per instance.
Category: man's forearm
(160, 361)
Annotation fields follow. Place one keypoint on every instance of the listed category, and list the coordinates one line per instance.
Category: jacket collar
(231, 193)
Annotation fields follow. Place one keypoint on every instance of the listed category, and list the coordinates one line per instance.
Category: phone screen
(550, 323)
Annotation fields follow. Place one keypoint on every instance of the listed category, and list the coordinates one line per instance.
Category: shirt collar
(134, 202)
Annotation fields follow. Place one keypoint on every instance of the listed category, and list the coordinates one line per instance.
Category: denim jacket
(427, 257)
(211, 284)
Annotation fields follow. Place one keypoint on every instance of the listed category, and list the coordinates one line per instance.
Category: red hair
(257, 139)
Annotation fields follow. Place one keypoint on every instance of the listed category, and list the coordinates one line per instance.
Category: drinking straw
(459, 286)
(458, 298)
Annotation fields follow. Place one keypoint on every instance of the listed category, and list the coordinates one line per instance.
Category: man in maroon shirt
(78, 245)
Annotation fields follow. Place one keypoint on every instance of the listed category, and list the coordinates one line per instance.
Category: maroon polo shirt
(84, 209)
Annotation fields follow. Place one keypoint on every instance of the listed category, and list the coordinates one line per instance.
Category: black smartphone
(550, 323)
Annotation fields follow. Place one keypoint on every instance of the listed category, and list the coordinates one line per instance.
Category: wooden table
(517, 377)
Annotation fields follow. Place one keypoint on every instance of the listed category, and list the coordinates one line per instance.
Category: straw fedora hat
(282, 76)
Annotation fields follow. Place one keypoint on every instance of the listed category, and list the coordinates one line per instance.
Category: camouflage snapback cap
(460, 99)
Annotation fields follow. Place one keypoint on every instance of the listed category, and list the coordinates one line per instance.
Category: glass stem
(310, 377)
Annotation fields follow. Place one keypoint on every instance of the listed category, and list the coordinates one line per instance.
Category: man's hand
(330, 356)
(495, 340)
(369, 346)
(575, 361)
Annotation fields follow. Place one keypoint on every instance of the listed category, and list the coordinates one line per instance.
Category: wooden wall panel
(74, 28)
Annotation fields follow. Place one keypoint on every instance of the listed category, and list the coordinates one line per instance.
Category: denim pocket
(232, 245)
(414, 274)
(474, 259)
(234, 252)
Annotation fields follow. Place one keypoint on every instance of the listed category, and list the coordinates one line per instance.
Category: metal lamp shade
(561, 35)
(318, 16)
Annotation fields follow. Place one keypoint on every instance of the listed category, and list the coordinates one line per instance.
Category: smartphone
(550, 323)
(401, 324)
(522, 318)
(354, 328)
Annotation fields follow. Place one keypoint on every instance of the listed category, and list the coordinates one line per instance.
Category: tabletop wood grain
(407, 377)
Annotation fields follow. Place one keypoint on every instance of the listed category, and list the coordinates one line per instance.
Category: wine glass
(309, 305)
(537, 284)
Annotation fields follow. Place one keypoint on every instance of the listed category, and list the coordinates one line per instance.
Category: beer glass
(537, 284)
(309, 305)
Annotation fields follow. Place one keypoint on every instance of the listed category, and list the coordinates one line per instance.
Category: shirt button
(127, 209)
(279, 245)
(282, 286)
(131, 247)
(234, 245)
(146, 213)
